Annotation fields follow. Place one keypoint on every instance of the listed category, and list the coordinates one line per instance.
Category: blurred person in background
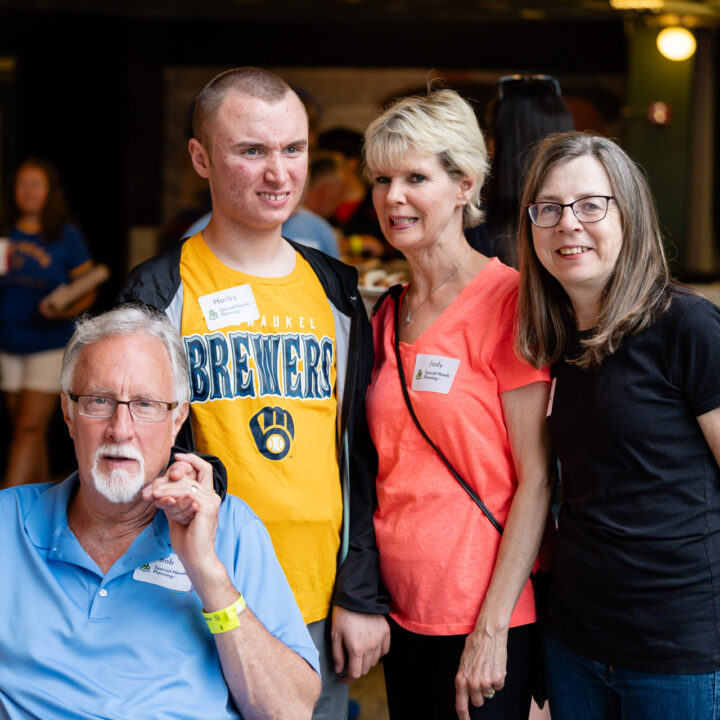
(526, 109)
(354, 215)
(325, 184)
(46, 250)
(462, 617)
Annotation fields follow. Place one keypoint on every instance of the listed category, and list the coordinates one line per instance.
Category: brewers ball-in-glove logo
(273, 431)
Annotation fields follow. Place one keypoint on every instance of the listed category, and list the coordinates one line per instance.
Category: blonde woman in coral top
(463, 614)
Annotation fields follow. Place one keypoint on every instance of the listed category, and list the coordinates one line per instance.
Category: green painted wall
(662, 151)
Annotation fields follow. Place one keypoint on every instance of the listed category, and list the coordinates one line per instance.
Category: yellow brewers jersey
(262, 369)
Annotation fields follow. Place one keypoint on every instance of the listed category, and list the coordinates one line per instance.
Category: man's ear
(180, 419)
(200, 157)
(65, 404)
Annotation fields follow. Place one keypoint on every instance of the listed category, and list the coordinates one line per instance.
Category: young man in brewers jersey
(280, 355)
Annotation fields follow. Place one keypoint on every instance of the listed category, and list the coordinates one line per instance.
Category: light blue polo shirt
(130, 644)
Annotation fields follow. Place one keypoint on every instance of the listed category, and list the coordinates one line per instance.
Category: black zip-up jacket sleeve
(358, 586)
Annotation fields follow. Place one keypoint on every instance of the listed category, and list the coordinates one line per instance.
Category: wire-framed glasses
(99, 406)
(590, 209)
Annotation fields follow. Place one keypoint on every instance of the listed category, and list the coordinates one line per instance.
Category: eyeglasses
(507, 82)
(587, 210)
(98, 406)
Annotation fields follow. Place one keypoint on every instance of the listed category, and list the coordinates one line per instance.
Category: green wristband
(226, 619)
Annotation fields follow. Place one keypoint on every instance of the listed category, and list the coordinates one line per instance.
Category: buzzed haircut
(251, 81)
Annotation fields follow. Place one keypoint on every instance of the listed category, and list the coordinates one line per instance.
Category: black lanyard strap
(396, 293)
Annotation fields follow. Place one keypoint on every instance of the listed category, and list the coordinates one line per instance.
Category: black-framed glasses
(99, 406)
(590, 209)
(507, 82)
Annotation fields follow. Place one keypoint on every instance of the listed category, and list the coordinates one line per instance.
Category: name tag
(167, 572)
(551, 398)
(434, 373)
(233, 306)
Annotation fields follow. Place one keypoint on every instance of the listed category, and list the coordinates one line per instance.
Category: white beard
(118, 486)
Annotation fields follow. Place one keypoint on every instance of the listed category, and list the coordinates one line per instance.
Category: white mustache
(114, 450)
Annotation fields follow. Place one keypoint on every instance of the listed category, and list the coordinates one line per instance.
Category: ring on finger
(489, 694)
(194, 489)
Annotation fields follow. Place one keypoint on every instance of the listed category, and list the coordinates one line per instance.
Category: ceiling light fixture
(676, 43)
(637, 4)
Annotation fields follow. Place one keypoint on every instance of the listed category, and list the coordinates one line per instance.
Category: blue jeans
(583, 689)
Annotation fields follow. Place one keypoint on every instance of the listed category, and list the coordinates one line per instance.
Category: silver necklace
(411, 313)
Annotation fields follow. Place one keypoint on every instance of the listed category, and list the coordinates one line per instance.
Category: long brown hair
(54, 215)
(638, 290)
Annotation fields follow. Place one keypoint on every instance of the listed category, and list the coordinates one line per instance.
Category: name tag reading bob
(167, 572)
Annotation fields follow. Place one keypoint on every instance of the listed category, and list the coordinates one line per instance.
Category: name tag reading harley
(232, 306)
(434, 373)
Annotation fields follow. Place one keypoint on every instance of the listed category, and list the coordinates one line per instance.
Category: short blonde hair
(440, 123)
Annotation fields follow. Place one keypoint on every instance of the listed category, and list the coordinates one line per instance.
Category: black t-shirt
(636, 578)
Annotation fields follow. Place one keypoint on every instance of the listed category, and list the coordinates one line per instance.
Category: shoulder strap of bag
(448, 465)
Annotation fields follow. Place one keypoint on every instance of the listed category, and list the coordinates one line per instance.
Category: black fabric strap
(396, 292)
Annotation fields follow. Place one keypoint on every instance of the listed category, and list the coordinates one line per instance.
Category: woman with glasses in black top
(633, 618)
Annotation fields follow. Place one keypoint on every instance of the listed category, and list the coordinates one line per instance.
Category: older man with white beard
(129, 589)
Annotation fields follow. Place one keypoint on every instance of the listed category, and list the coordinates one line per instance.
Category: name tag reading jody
(233, 306)
(167, 572)
(434, 373)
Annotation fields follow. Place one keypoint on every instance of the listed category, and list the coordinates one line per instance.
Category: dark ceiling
(349, 11)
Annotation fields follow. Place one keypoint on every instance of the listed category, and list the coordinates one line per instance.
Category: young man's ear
(200, 157)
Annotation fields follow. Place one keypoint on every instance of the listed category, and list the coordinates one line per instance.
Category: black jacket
(156, 282)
